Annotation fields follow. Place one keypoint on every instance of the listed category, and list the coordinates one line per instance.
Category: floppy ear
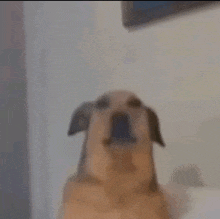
(154, 127)
(80, 118)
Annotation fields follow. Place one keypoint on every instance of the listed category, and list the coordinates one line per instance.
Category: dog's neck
(121, 170)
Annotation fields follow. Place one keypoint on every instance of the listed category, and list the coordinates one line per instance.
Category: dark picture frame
(139, 13)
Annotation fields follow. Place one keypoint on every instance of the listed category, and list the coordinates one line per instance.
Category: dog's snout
(120, 115)
(121, 127)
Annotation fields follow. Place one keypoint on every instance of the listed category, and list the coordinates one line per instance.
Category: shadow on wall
(203, 149)
(188, 175)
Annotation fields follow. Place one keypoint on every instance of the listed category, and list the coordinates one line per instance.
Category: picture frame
(139, 13)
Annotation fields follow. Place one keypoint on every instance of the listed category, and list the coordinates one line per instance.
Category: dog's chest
(93, 203)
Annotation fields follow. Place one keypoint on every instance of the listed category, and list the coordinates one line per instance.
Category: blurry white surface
(193, 203)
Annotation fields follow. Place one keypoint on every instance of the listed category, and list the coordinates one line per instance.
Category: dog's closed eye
(102, 103)
(134, 102)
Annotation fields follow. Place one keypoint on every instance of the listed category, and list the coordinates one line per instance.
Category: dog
(116, 177)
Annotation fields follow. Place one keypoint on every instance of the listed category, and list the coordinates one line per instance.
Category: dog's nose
(121, 127)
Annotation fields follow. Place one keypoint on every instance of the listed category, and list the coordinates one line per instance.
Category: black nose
(121, 128)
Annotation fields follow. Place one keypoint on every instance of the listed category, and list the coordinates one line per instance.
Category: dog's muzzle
(120, 130)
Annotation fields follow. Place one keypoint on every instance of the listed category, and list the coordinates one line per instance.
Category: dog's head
(117, 119)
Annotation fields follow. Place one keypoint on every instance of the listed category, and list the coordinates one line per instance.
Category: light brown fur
(116, 183)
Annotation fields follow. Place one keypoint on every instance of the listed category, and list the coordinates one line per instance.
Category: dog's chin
(116, 143)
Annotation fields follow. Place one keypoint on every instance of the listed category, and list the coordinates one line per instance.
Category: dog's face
(117, 119)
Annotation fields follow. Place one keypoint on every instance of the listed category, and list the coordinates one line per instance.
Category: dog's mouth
(120, 130)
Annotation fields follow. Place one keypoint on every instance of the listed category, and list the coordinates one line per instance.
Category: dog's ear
(154, 127)
(81, 118)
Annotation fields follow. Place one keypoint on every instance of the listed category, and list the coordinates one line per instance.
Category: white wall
(77, 50)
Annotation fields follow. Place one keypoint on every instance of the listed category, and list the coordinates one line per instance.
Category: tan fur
(118, 183)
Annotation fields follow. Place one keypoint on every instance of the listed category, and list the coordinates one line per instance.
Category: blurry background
(14, 167)
(78, 50)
